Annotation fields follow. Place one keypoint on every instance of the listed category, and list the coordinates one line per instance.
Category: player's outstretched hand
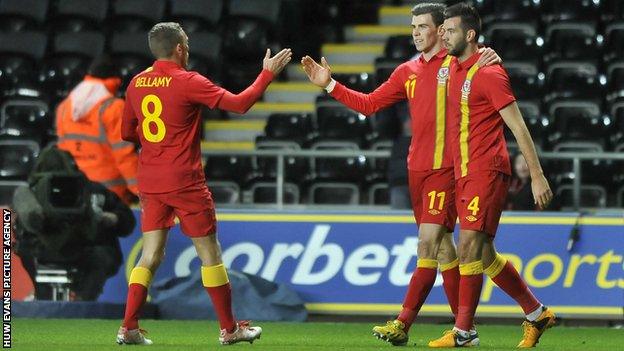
(319, 75)
(488, 57)
(542, 195)
(276, 63)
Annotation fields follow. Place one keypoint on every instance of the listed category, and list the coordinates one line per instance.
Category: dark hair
(435, 10)
(470, 18)
(164, 37)
(104, 67)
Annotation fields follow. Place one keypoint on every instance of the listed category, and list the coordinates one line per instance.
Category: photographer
(66, 220)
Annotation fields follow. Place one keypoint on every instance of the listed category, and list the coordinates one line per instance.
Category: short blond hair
(164, 37)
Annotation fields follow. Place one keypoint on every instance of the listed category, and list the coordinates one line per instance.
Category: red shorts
(480, 200)
(433, 197)
(193, 206)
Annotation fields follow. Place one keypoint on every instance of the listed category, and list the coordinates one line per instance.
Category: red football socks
(511, 283)
(450, 274)
(140, 279)
(221, 297)
(470, 284)
(419, 287)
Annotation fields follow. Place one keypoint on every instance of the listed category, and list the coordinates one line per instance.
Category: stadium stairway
(364, 44)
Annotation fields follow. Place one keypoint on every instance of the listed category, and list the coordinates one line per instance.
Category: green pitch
(94, 335)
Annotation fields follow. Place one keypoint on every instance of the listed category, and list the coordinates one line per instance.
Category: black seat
(379, 194)
(614, 41)
(615, 77)
(19, 57)
(560, 35)
(197, 15)
(246, 39)
(612, 10)
(578, 120)
(330, 193)
(384, 68)
(224, 192)
(527, 82)
(266, 193)
(592, 196)
(137, 15)
(337, 122)
(233, 168)
(351, 169)
(267, 11)
(295, 127)
(515, 41)
(566, 10)
(294, 167)
(362, 82)
(22, 15)
(131, 53)
(79, 15)
(7, 188)
(509, 10)
(206, 54)
(17, 158)
(237, 76)
(535, 120)
(70, 58)
(400, 47)
(573, 79)
(21, 118)
(617, 118)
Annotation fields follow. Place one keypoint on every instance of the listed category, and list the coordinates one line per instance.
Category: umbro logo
(471, 218)
(434, 212)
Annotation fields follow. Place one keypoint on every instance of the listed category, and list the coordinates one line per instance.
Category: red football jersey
(476, 94)
(423, 84)
(163, 107)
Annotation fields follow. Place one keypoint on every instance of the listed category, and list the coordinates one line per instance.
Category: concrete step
(375, 33)
(395, 15)
(233, 130)
(261, 110)
(349, 54)
(297, 92)
(295, 73)
(228, 145)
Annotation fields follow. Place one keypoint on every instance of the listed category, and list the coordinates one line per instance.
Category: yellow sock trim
(214, 276)
(496, 266)
(140, 275)
(427, 263)
(450, 265)
(471, 268)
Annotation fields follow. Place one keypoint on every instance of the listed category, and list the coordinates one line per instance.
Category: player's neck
(434, 51)
(470, 50)
(171, 59)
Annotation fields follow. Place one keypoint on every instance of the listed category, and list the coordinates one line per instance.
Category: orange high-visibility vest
(94, 140)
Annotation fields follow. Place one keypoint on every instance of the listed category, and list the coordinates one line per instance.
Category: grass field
(93, 335)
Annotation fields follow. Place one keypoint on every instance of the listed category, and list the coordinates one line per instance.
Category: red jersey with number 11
(162, 108)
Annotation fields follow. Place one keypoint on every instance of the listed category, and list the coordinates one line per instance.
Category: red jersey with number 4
(423, 84)
(476, 94)
(163, 109)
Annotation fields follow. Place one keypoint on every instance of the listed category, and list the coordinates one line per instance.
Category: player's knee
(468, 251)
(427, 248)
(446, 254)
(152, 260)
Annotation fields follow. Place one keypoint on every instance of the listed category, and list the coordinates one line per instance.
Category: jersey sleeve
(497, 87)
(200, 90)
(391, 91)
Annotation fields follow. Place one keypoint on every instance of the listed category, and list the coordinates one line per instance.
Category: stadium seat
(615, 77)
(20, 118)
(205, 55)
(22, 15)
(509, 10)
(592, 196)
(266, 193)
(224, 192)
(362, 82)
(337, 122)
(614, 41)
(379, 165)
(17, 158)
(232, 168)
(20, 54)
(566, 10)
(330, 193)
(400, 47)
(197, 15)
(612, 10)
(560, 35)
(267, 11)
(526, 81)
(620, 197)
(617, 119)
(237, 76)
(296, 127)
(136, 15)
(246, 39)
(578, 120)
(70, 59)
(131, 53)
(573, 79)
(379, 194)
(535, 120)
(515, 41)
(352, 169)
(79, 15)
(7, 188)
(384, 68)
(294, 167)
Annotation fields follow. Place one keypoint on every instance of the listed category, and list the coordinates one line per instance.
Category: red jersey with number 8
(162, 111)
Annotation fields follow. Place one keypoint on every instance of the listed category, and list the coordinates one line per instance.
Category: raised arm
(542, 195)
(385, 95)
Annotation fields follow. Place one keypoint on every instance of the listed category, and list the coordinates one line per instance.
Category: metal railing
(575, 157)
